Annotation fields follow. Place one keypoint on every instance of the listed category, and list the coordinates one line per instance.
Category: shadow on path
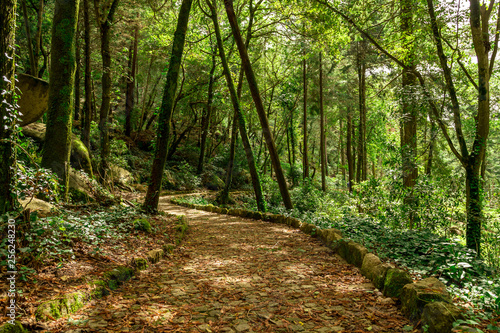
(238, 275)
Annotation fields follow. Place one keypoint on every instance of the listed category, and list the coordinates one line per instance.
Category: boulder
(155, 255)
(79, 159)
(60, 307)
(34, 98)
(43, 208)
(139, 263)
(395, 280)
(440, 316)
(212, 181)
(415, 296)
(119, 175)
(375, 270)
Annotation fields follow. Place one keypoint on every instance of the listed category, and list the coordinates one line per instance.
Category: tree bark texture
(409, 113)
(129, 99)
(305, 158)
(362, 158)
(57, 145)
(163, 134)
(252, 83)
(7, 66)
(322, 143)
(350, 164)
(205, 119)
(87, 106)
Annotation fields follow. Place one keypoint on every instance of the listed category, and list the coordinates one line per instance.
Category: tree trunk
(350, 164)
(409, 113)
(8, 200)
(205, 119)
(428, 167)
(341, 150)
(33, 67)
(105, 21)
(163, 136)
(57, 145)
(38, 36)
(239, 119)
(362, 165)
(76, 112)
(87, 106)
(252, 83)
(129, 99)
(322, 145)
(474, 207)
(305, 161)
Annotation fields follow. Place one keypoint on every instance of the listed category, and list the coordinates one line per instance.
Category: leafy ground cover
(423, 252)
(62, 253)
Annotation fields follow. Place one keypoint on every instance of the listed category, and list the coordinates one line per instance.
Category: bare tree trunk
(38, 36)
(322, 145)
(33, 67)
(87, 107)
(409, 114)
(76, 112)
(252, 83)
(153, 193)
(350, 163)
(305, 161)
(57, 144)
(129, 99)
(361, 64)
(205, 119)
(8, 202)
(105, 21)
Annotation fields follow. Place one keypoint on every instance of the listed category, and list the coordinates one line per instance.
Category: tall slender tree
(165, 118)
(87, 106)
(57, 145)
(104, 13)
(322, 143)
(131, 82)
(239, 118)
(409, 110)
(254, 89)
(7, 119)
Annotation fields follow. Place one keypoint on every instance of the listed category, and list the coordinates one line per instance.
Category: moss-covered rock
(293, 222)
(61, 306)
(99, 289)
(308, 228)
(142, 225)
(352, 252)
(139, 263)
(168, 248)
(440, 316)
(117, 276)
(415, 296)
(17, 327)
(155, 255)
(395, 280)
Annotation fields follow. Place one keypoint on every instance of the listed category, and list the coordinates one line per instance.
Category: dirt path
(238, 275)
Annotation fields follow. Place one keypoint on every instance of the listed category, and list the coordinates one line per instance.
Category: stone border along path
(241, 275)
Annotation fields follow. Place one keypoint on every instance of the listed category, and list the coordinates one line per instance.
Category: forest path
(239, 275)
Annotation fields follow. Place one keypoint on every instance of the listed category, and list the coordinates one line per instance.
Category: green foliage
(142, 225)
(36, 181)
(180, 177)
